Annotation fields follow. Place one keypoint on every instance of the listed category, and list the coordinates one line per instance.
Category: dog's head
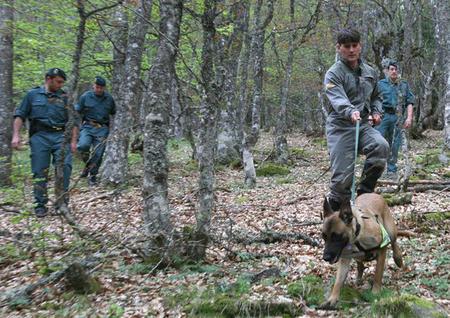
(336, 230)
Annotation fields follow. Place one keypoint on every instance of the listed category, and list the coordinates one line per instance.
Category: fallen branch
(268, 237)
(417, 188)
(414, 182)
(22, 295)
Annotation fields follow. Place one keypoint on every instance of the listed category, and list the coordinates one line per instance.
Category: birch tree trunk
(6, 89)
(116, 153)
(156, 213)
(257, 52)
(209, 110)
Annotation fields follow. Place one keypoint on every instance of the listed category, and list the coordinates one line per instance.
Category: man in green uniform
(46, 108)
(351, 88)
(95, 107)
(398, 104)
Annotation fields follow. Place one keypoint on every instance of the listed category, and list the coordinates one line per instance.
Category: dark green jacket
(395, 94)
(48, 109)
(348, 90)
(96, 108)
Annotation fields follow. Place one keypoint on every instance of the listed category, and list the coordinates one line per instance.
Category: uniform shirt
(349, 90)
(49, 109)
(395, 93)
(96, 108)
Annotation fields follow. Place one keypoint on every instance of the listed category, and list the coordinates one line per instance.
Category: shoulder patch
(329, 86)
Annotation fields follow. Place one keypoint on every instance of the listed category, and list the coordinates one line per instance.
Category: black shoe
(84, 173)
(92, 181)
(334, 204)
(40, 211)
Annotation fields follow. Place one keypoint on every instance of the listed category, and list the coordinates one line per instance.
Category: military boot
(40, 211)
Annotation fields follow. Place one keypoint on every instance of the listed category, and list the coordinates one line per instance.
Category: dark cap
(56, 72)
(100, 81)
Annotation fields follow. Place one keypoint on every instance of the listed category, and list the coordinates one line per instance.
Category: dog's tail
(405, 233)
(397, 255)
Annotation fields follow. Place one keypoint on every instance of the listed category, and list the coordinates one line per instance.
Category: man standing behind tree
(95, 108)
(351, 88)
(46, 108)
(398, 113)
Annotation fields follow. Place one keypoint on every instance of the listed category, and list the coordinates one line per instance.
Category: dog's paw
(328, 305)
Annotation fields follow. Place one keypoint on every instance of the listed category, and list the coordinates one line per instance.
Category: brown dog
(361, 232)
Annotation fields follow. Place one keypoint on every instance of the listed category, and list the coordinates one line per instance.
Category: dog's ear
(327, 210)
(345, 213)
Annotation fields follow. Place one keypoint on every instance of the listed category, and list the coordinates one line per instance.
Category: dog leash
(353, 197)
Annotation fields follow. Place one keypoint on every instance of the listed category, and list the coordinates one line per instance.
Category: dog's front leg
(359, 280)
(342, 271)
(379, 269)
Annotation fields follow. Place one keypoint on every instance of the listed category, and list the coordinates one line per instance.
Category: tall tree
(6, 89)
(156, 131)
(116, 154)
(119, 42)
(281, 146)
(257, 53)
(212, 83)
(228, 143)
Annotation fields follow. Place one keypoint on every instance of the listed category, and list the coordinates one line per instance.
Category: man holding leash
(352, 90)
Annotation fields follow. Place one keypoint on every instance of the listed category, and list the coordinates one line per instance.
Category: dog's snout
(327, 257)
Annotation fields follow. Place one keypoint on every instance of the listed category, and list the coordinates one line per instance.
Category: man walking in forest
(398, 113)
(46, 108)
(95, 107)
(351, 88)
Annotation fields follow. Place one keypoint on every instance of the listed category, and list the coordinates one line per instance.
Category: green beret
(56, 72)
(100, 81)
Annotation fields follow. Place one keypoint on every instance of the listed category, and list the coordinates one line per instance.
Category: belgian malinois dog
(362, 232)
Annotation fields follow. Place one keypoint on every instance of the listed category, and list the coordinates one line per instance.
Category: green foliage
(272, 169)
(134, 159)
(310, 288)
(10, 253)
(285, 180)
(115, 311)
(405, 306)
(439, 285)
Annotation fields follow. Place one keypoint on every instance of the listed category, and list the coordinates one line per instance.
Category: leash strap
(353, 197)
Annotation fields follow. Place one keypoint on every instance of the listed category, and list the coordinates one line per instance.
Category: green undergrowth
(406, 306)
(310, 288)
(272, 169)
(228, 300)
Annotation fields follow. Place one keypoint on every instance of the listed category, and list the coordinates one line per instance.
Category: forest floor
(267, 277)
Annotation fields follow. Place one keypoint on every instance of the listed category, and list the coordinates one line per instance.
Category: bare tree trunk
(61, 196)
(158, 98)
(6, 89)
(228, 142)
(120, 24)
(257, 52)
(116, 154)
(243, 68)
(281, 146)
(176, 115)
(447, 112)
(209, 111)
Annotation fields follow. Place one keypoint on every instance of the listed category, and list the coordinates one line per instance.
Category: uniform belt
(95, 124)
(389, 110)
(37, 126)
